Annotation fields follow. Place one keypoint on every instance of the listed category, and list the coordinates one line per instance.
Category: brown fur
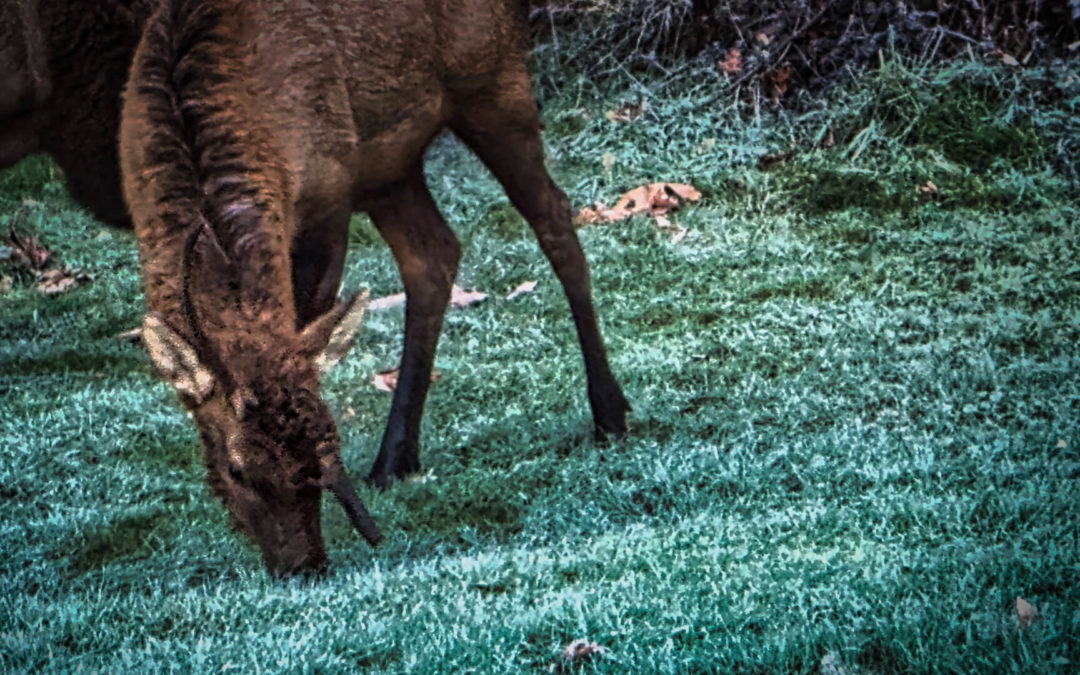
(251, 131)
(63, 65)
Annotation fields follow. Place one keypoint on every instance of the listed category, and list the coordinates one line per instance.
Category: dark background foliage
(809, 41)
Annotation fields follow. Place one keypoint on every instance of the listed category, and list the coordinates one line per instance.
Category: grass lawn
(855, 439)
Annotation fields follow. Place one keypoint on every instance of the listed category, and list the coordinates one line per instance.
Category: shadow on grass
(128, 539)
(449, 509)
(64, 361)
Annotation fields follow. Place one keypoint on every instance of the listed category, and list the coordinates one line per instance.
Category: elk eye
(235, 473)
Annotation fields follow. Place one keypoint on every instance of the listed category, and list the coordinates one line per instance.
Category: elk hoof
(390, 467)
(612, 424)
(609, 414)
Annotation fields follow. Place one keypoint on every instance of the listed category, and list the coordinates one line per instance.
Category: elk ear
(329, 337)
(176, 360)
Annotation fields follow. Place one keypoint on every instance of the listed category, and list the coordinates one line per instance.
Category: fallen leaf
(597, 213)
(732, 64)
(781, 79)
(463, 298)
(829, 140)
(57, 281)
(458, 298)
(388, 302)
(1009, 60)
(830, 664)
(763, 39)
(133, 335)
(656, 199)
(6, 284)
(103, 235)
(771, 159)
(627, 112)
(575, 653)
(1061, 443)
(349, 413)
(1025, 612)
(387, 380)
(928, 188)
(28, 251)
(607, 161)
(522, 289)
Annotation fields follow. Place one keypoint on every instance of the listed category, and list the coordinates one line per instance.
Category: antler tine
(346, 495)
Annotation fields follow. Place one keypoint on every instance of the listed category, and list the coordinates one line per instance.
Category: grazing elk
(63, 65)
(251, 131)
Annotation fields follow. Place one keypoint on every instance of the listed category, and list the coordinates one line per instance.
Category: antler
(343, 489)
(336, 479)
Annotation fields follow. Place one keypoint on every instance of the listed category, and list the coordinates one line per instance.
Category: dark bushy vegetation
(784, 44)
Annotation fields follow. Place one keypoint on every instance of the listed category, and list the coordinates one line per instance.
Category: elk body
(251, 131)
(63, 64)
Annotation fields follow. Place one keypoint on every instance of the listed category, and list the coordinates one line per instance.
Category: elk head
(271, 444)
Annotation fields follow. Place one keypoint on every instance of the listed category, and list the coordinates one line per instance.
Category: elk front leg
(427, 254)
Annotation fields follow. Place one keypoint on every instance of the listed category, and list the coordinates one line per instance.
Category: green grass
(855, 428)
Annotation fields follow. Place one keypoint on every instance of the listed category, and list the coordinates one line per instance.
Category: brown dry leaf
(387, 380)
(388, 302)
(628, 112)
(781, 79)
(1061, 444)
(763, 39)
(829, 140)
(597, 213)
(522, 289)
(55, 282)
(1009, 60)
(28, 251)
(575, 653)
(1025, 612)
(462, 298)
(928, 189)
(732, 64)
(656, 199)
(771, 159)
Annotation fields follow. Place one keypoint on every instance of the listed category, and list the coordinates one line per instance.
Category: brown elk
(251, 131)
(63, 65)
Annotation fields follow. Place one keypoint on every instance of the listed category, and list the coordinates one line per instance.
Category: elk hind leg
(505, 135)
